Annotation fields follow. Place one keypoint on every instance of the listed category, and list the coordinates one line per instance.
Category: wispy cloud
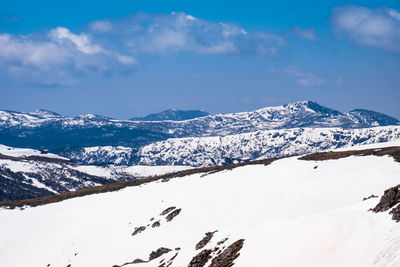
(369, 27)
(60, 56)
(307, 34)
(175, 32)
(301, 77)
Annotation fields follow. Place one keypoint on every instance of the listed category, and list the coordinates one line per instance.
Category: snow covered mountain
(309, 211)
(220, 150)
(28, 173)
(173, 115)
(68, 135)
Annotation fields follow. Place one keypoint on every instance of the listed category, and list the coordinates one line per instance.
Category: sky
(126, 59)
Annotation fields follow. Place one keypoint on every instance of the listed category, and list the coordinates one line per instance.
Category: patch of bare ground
(371, 196)
(156, 224)
(158, 253)
(205, 240)
(226, 258)
(131, 262)
(172, 215)
(222, 241)
(138, 230)
(393, 151)
(169, 262)
(167, 210)
(390, 200)
(201, 259)
(153, 255)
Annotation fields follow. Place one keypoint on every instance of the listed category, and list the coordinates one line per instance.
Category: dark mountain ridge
(173, 115)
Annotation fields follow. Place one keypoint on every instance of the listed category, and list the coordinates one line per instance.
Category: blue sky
(131, 58)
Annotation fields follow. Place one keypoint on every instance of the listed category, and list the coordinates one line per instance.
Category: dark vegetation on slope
(58, 175)
(391, 151)
(173, 115)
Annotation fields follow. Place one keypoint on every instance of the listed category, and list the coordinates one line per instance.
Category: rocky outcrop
(173, 215)
(200, 259)
(390, 200)
(205, 240)
(226, 258)
(138, 230)
(158, 253)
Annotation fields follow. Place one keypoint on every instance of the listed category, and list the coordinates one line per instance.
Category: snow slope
(289, 213)
(211, 151)
(27, 152)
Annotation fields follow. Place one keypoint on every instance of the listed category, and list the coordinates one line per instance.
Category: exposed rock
(390, 199)
(371, 196)
(131, 262)
(172, 259)
(396, 213)
(138, 230)
(222, 241)
(200, 259)
(138, 261)
(167, 210)
(155, 254)
(226, 258)
(156, 224)
(172, 215)
(205, 240)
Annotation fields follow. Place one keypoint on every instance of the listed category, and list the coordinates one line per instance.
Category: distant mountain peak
(173, 115)
(374, 117)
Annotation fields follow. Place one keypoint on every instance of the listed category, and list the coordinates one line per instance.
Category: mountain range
(71, 135)
(45, 153)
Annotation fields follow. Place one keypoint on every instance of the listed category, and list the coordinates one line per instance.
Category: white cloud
(307, 34)
(81, 41)
(58, 57)
(113, 45)
(369, 27)
(301, 77)
(177, 32)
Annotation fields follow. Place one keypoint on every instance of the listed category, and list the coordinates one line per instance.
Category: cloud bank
(60, 56)
(369, 27)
